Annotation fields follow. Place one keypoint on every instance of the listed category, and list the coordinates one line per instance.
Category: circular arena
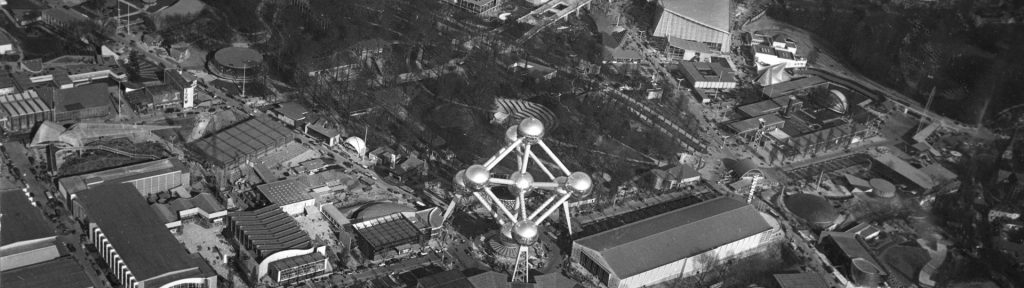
(236, 64)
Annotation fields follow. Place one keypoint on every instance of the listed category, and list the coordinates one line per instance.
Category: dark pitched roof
(650, 243)
(249, 138)
(21, 220)
(59, 273)
(203, 201)
(851, 246)
(292, 110)
(135, 231)
(682, 172)
(710, 13)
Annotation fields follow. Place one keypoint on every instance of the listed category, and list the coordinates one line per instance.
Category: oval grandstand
(236, 64)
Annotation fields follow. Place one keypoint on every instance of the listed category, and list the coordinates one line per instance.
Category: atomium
(520, 223)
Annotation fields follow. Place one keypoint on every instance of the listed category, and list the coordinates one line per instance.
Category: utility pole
(245, 65)
(927, 106)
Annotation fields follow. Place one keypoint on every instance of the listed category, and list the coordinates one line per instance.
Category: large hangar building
(667, 246)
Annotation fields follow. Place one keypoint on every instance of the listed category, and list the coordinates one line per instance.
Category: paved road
(18, 155)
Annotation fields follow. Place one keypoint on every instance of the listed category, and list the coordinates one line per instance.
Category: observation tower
(520, 224)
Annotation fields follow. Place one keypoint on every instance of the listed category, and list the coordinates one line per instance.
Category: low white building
(774, 50)
(767, 56)
(678, 243)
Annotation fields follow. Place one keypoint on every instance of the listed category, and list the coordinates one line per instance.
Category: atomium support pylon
(517, 220)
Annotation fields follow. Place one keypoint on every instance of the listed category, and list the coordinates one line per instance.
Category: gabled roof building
(133, 242)
(704, 21)
(673, 244)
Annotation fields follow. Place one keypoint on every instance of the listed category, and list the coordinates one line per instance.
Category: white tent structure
(357, 144)
(774, 75)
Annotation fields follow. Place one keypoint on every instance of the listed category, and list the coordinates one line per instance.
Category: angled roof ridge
(648, 219)
(695, 20)
(680, 224)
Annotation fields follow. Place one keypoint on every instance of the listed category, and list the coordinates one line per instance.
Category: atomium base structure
(520, 225)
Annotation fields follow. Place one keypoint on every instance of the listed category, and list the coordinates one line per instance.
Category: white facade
(188, 95)
(264, 266)
(297, 208)
(765, 60)
(683, 267)
(6, 48)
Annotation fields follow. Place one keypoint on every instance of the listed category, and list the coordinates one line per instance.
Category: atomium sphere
(578, 182)
(531, 128)
(522, 181)
(525, 232)
(477, 175)
(460, 183)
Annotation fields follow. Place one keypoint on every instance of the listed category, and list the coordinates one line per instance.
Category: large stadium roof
(653, 242)
(21, 220)
(270, 230)
(386, 232)
(247, 139)
(135, 231)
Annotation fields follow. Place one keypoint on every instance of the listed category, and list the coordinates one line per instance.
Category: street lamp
(245, 66)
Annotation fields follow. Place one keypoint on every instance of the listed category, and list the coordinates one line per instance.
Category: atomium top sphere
(460, 182)
(477, 175)
(578, 182)
(525, 232)
(522, 181)
(531, 128)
